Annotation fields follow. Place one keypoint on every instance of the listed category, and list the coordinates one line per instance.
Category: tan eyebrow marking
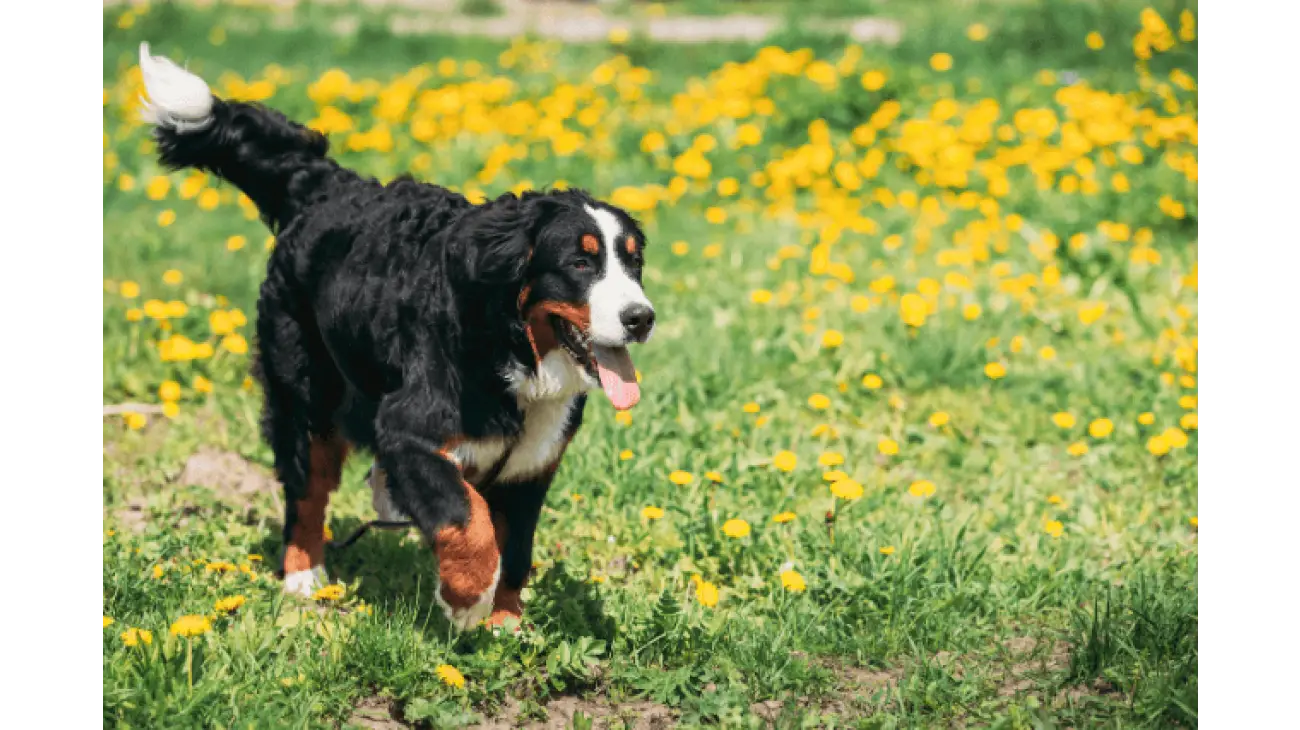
(631, 245)
(590, 244)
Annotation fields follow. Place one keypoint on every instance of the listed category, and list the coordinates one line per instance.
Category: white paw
(467, 618)
(305, 582)
(385, 510)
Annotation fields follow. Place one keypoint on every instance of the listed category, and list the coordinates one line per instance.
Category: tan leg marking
(306, 548)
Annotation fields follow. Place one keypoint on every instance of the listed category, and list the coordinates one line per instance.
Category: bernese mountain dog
(456, 342)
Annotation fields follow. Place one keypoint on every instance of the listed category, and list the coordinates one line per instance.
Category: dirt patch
(375, 713)
(230, 475)
(560, 714)
(133, 517)
(1019, 676)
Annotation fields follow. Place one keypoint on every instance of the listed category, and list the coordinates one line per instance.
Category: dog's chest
(533, 450)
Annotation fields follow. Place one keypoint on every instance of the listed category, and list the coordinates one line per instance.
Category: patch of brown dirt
(132, 517)
(374, 713)
(560, 713)
(230, 475)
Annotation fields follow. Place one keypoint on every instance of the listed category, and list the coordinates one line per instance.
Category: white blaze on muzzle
(615, 292)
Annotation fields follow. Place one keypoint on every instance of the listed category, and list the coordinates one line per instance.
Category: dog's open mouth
(612, 366)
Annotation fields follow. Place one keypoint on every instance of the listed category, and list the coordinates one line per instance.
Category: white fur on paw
(467, 618)
(380, 499)
(305, 582)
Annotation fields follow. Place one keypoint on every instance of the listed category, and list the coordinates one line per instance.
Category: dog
(456, 342)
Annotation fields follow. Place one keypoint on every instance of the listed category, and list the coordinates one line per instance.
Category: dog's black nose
(638, 319)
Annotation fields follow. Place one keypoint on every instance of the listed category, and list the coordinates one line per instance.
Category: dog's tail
(279, 164)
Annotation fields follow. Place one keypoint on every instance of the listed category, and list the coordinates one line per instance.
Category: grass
(998, 553)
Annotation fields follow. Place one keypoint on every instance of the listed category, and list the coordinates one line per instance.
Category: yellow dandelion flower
(171, 409)
(830, 458)
(220, 566)
(1189, 421)
(623, 418)
(172, 277)
(1095, 41)
(939, 419)
(235, 343)
(971, 312)
(760, 296)
(819, 402)
(129, 290)
(1063, 419)
(1053, 528)
(922, 488)
(1158, 445)
(785, 461)
(977, 32)
(202, 384)
(169, 390)
(332, 592)
(1146, 419)
(887, 550)
(706, 593)
(793, 582)
(783, 517)
(229, 604)
(135, 421)
(625, 455)
(750, 407)
(191, 625)
(713, 476)
(166, 218)
(871, 381)
(832, 339)
(941, 62)
(680, 248)
(450, 676)
(1047, 352)
(681, 478)
(109, 621)
(1078, 448)
(847, 489)
(735, 528)
(995, 370)
(136, 637)
(1100, 428)
(236, 242)
(887, 446)
(652, 513)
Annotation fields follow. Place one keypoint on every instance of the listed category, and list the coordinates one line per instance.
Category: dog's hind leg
(302, 391)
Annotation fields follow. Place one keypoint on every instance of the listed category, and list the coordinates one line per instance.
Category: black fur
(389, 313)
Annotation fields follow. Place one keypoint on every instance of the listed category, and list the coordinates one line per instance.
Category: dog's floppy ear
(501, 238)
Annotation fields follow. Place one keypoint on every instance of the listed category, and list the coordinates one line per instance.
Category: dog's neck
(556, 377)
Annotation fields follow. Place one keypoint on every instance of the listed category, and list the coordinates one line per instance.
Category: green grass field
(918, 441)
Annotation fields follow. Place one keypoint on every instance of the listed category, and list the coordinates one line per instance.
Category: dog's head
(578, 263)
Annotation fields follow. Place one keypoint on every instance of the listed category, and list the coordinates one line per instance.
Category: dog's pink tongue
(617, 376)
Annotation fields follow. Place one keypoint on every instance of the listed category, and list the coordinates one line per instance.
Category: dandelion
(941, 62)
(713, 476)
(169, 390)
(236, 242)
(1095, 41)
(995, 370)
(166, 218)
(750, 407)
(135, 421)
(706, 593)
(158, 571)
(1047, 353)
(873, 80)
(681, 478)
(136, 637)
(887, 446)
(625, 455)
(220, 566)
(832, 339)
(1100, 428)
(623, 418)
(202, 384)
(1193, 522)
(922, 489)
(783, 517)
(1188, 422)
(871, 381)
(191, 625)
(887, 550)
(229, 604)
(793, 582)
(818, 402)
(171, 409)
(1158, 445)
(1063, 420)
(977, 32)
(652, 513)
(760, 296)
(939, 419)
(235, 343)
(332, 592)
(830, 458)
(785, 461)
(913, 310)
(173, 277)
(109, 621)
(1053, 528)
(450, 676)
(971, 312)
(735, 528)
(1078, 448)
(129, 290)
(1146, 419)
(846, 489)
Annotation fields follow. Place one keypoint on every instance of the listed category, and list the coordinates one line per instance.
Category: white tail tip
(178, 99)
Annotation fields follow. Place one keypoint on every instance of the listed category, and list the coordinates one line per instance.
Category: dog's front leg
(426, 483)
